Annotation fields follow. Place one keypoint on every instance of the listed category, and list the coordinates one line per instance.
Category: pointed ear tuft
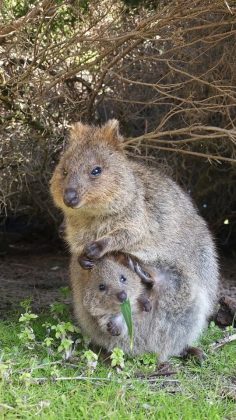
(111, 131)
(78, 130)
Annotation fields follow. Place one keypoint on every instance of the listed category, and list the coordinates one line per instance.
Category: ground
(36, 276)
(37, 381)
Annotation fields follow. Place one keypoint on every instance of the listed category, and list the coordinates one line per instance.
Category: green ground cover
(48, 371)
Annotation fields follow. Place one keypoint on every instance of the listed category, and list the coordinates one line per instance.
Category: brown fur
(179, 308)
(130, 208)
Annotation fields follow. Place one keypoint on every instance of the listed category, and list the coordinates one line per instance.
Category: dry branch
(218, 344)
(19, 24)
(168, 75)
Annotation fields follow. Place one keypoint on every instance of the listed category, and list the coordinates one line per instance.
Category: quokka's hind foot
(195, 353)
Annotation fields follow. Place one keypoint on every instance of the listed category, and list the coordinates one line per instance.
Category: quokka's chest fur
(81, 230)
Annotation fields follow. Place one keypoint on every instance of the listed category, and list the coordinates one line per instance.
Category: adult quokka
(112, 203)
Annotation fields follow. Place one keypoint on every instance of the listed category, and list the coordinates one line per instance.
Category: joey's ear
(147, 275)
(110, 130)
(123, 259)
(78, 131)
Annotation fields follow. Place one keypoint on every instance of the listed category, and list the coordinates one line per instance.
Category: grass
(101, 391)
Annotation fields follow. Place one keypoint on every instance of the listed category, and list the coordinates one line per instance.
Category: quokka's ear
(122, 258)
(78, 131)
(147, 274)
(110, 130)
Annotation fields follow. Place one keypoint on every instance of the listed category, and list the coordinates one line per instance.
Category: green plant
(91, 359)
(117, 358)
(26, 334)
(65, 291)
(60, 338)
(58, 308)
(37, 383)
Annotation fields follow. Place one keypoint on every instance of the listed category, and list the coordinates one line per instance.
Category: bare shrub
(168, 74)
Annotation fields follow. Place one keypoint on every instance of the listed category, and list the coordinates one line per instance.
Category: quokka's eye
(123, 279)
(96, 171)
(64, 172)
(102, 287)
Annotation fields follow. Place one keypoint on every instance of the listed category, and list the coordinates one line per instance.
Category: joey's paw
(85, 263)
(145, 304)
(113, 328)
(95, 250)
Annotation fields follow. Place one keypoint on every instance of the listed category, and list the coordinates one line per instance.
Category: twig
(157, 374)
(221, 343)
(6, 406)
(196, 154)
(18, 24)
(71, 378)
(95, 379)
(228, 7)
(43, 366)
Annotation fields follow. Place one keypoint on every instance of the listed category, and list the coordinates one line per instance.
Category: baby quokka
(168, 315)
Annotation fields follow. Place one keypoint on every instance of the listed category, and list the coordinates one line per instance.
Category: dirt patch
(228, 283)
(41, 276)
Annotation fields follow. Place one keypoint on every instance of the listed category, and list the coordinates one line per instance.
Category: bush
(166, 72)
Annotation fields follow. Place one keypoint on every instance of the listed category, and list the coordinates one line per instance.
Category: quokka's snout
(71, 197)
(121, 296)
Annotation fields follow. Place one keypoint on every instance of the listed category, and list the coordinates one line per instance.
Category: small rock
(55, 268)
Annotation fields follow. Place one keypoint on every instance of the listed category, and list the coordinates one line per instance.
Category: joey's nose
(122, 296)
(70, 198)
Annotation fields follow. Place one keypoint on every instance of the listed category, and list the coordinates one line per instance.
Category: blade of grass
(127, 314)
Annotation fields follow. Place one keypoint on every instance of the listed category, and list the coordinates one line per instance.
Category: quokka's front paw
(85, 263)
(113, 328)
(95, 250)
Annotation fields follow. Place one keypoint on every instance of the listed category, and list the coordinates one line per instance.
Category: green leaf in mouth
(127, 314)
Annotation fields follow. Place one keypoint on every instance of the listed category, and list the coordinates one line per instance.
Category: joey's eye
(102, 287)
(123, 279)
(96, 171)
(65, 173)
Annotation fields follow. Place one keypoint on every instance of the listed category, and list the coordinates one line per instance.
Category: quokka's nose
(122, 296)
(70, 198)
